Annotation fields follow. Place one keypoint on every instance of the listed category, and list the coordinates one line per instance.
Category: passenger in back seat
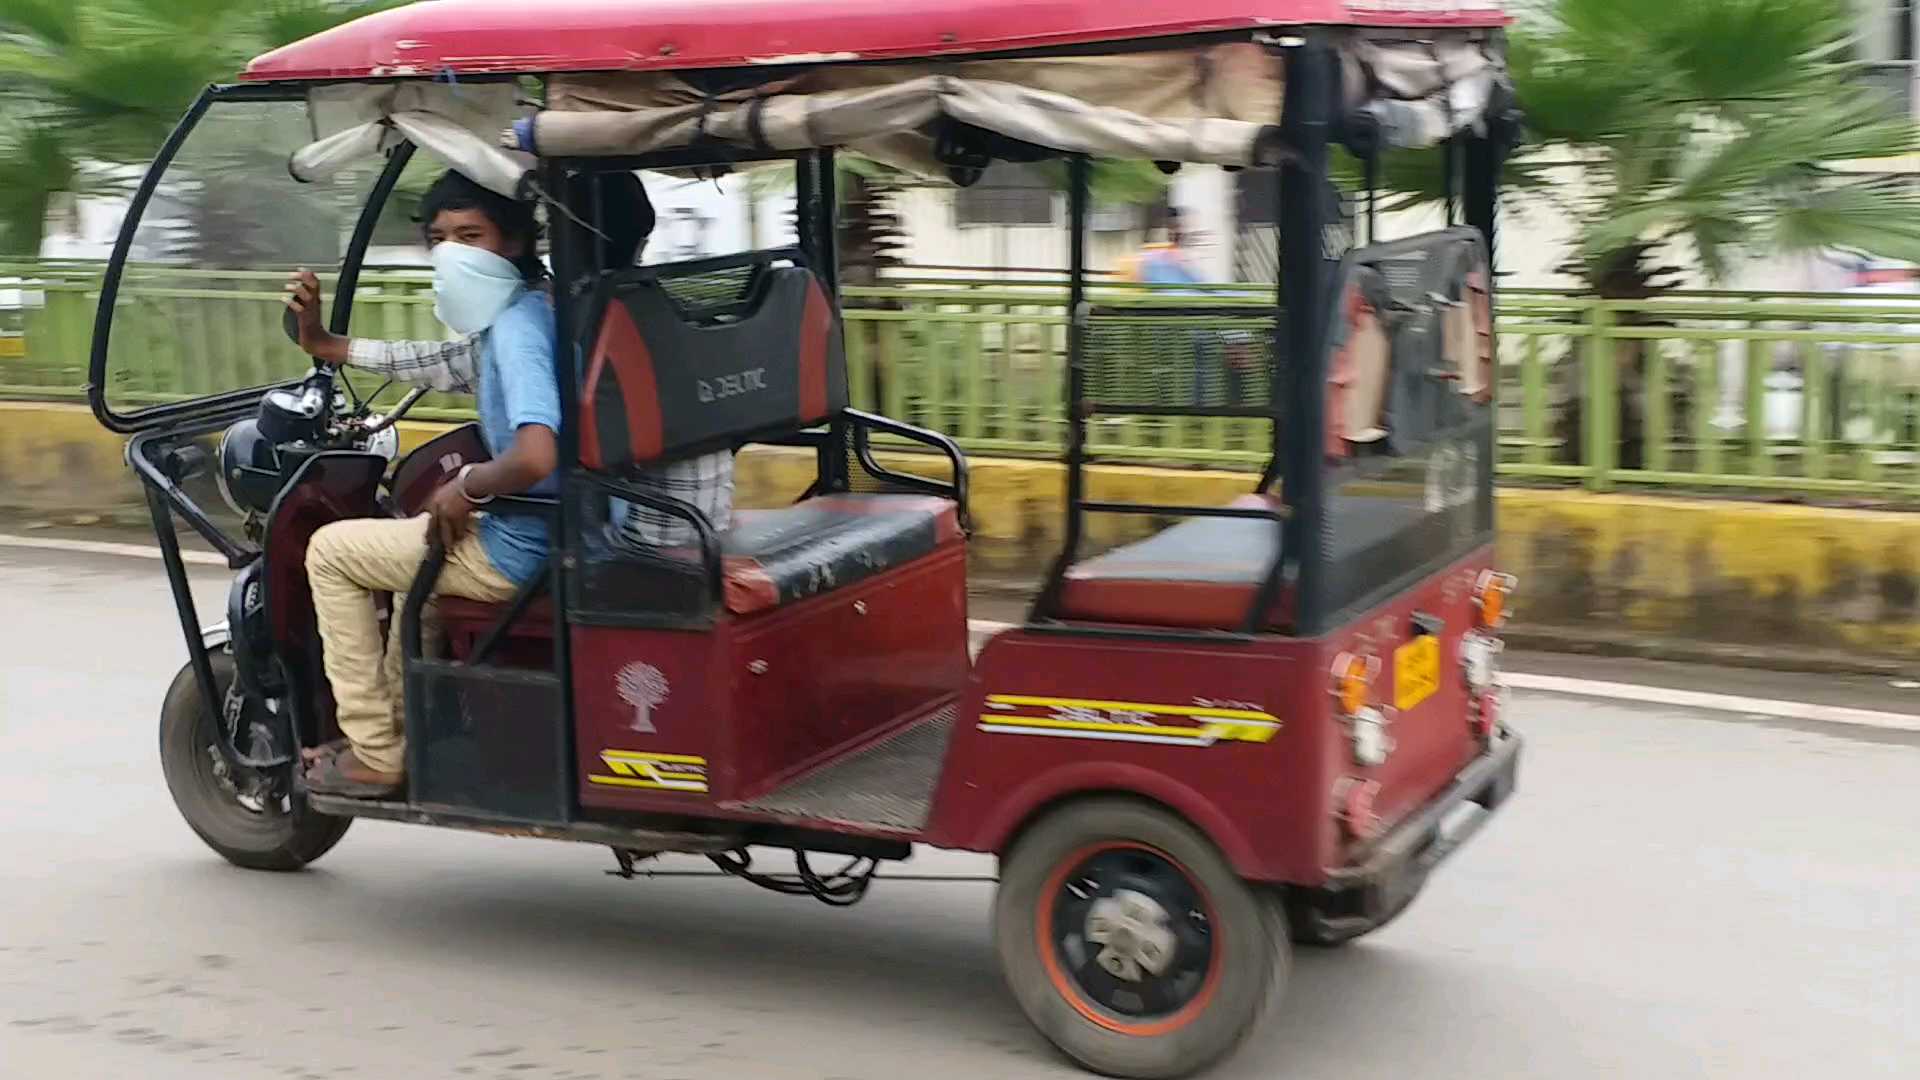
(622, 218)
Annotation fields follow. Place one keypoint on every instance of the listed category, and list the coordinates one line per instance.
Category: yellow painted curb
(1737, 573)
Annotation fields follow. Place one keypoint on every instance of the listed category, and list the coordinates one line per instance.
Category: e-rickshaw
(1246, 727)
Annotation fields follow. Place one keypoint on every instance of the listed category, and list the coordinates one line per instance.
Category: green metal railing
(1799, 393)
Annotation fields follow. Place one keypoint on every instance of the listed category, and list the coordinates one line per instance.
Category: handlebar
(399, 412)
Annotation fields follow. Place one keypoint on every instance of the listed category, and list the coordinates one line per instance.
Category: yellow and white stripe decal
(1126, 721)
(658, 772)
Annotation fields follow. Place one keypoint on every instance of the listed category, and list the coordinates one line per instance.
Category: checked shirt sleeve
(447, 366)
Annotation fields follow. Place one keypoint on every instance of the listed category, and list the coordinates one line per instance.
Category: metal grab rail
(1796, 393)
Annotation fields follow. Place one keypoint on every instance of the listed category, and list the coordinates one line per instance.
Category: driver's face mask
(472, 286)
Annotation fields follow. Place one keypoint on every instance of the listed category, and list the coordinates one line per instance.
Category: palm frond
(51, 23)
(288, 21)
(1876, 217)
(35, 163)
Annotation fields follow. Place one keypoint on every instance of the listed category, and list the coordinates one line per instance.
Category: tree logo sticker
(645, 688)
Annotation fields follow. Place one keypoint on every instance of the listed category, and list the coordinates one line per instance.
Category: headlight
(385, 442)
(249, 476)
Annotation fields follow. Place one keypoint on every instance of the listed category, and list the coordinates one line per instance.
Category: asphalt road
(1672, 895)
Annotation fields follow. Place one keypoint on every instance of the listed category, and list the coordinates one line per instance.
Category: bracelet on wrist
(460, 481)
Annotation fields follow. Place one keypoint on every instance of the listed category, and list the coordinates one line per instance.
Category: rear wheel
(1131, 943)
(249, 819)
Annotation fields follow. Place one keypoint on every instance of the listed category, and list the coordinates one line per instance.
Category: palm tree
(1702, 128)
(1709, 128)
(104, 80)
(1712, 124)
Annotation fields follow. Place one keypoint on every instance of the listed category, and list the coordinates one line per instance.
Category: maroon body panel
(434, 463)
(682, 722)
(1241, 739)
(331, 487)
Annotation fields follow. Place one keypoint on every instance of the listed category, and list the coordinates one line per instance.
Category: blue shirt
(1166, 267)
(517, 387)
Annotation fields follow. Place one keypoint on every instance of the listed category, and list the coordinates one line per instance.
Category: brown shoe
(344, 774)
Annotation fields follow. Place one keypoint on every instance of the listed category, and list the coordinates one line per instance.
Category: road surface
(1672, 895)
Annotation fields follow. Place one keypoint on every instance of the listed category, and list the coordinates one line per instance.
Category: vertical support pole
(1533, 402)
(1600, 405)
(1816, 399)
(1079, 206)
(1079, 203)
(824, 213)
(197, 658)
(1485, 156)
(827, 221)
(1312, 93)
(806, 193)
(1759, 449)
(1706, 396)
(1657, 429)
(1373, 197)
(568, 265)
(356, 257)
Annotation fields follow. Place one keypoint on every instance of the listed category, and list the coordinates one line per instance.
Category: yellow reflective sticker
(1416, 671)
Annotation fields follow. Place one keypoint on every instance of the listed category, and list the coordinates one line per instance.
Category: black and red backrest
(694, 357)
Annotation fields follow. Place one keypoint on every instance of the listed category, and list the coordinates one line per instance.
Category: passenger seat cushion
(1202, 574)
(776, 557)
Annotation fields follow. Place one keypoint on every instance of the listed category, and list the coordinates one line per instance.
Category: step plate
(888, 785)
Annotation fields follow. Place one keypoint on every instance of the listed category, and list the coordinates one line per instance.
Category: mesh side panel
(908, 459)
(710, 294)
(1144, 359)
(488, 740)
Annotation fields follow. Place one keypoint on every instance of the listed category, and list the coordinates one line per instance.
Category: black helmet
(249, 468)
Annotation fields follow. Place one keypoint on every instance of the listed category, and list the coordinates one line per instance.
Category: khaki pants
(347, 563)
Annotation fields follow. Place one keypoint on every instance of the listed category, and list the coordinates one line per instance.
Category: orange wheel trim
(1063, 985)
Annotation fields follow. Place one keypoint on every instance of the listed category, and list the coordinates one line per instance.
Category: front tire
(1131, 943)
(280, 834)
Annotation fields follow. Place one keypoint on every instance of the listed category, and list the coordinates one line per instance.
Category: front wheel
(249, 821)
(1132, 944)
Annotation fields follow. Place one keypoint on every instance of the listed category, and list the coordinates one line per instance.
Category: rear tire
(1229, 944)
(270, 838)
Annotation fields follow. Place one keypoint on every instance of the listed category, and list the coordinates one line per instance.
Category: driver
(486, 285)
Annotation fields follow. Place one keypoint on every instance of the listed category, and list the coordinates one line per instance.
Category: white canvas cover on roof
(1211, 104)
(457, 122)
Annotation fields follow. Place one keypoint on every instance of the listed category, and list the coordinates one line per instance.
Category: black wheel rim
(1132, 936)
(243, 789)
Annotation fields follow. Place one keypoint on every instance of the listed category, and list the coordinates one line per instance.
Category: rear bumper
(1367, 895)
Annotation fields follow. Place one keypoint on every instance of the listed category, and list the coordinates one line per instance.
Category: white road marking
(1654, 695)
(1728, 703)
(102, 547)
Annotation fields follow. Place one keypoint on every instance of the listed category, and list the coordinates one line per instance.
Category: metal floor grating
(889, 784)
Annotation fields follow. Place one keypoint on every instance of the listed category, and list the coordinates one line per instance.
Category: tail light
(1353, 679)
(1480, 653)
(1353, 801)
(1480, 661)
(1492, 597)
(1484, 717)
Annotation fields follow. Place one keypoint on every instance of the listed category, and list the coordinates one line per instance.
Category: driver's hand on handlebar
(452, 514)
(304, 300)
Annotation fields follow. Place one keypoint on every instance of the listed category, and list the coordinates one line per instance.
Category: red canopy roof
(503, 36)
